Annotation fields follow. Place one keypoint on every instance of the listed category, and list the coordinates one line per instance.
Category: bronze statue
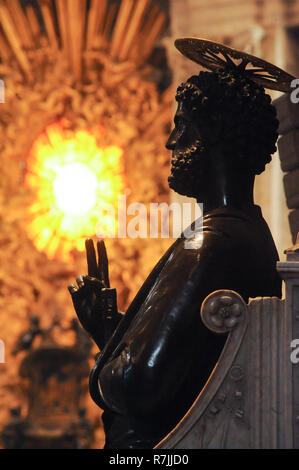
(160, 354)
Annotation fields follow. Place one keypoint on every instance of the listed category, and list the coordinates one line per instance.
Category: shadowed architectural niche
(52, 414)
(201, 358)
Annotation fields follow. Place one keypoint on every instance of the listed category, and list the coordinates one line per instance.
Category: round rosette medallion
(223, 310)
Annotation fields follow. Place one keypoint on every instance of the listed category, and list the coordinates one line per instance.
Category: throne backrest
(251, 399)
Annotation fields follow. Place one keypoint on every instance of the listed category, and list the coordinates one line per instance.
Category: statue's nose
(171, 142)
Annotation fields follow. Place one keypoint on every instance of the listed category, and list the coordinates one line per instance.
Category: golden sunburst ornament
(71, 176)
(215, 56)
(86, 62)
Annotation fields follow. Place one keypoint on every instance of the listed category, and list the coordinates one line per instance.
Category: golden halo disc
(215, 56)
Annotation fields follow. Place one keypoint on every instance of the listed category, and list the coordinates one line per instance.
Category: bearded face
(189, 161)
(220, 114)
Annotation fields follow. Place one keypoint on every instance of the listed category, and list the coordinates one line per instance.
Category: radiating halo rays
(70, 176)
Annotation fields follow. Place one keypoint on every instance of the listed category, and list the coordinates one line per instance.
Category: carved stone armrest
(246, 403)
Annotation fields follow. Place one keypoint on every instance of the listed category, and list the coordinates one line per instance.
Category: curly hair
(231, 109)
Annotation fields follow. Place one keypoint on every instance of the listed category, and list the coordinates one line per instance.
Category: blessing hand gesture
(94, 302)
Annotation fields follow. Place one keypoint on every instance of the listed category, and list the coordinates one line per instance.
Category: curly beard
(188, 169)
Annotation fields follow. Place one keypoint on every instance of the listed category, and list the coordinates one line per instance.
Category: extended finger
(91, 258)
(103, 272)
(80, 281)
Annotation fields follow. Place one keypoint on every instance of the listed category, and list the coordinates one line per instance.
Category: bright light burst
(75, 189)
(71, 177)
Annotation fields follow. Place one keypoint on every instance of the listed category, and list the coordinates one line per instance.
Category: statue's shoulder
(221, 241)
(225, 234)
(221, 224)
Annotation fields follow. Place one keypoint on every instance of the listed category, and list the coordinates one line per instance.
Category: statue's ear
(219, 160)
(214, 131)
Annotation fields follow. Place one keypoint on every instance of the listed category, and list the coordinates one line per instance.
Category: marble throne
(251, 399)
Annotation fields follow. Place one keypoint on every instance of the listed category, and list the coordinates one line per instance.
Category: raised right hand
(87, 295)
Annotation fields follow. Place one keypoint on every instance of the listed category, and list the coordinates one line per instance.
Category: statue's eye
(182, 132)
(180, 125)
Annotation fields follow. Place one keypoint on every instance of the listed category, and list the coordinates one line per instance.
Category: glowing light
(75, 189)
(71, 176)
